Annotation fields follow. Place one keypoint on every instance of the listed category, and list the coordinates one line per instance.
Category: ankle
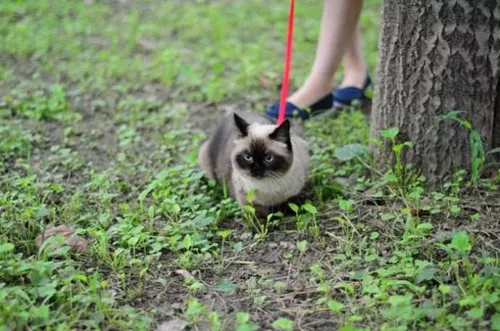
(354, 78)
(310, 92)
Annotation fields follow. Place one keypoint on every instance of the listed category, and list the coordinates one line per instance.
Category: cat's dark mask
(281, 133)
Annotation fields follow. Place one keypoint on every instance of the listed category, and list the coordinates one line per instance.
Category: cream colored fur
(271, 190)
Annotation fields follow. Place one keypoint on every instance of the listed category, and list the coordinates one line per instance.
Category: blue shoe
(292, 111)
(348, 96)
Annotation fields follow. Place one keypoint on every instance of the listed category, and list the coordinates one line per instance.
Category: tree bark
(436, 57)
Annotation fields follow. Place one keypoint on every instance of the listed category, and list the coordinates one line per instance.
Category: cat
(249, 152)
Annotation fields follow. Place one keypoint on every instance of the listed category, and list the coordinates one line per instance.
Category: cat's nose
(258, 172)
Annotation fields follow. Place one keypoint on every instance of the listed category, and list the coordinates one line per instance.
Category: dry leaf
(98, 41)
(298, 286)
(420, 212)
(265, 81)
(269, 81)
(172, 325)
(148, 44)
(71, 239)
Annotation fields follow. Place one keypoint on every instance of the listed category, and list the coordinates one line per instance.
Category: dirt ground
(129, 134)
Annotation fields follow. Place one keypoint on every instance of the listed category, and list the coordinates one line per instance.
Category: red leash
(288, 61)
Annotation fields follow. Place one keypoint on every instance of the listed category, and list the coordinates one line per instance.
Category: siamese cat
(250, 152)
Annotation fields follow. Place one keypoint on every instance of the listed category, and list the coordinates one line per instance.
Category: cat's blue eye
(248, 158)
(268, 158)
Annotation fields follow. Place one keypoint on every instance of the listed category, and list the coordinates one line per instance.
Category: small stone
(287, 245)
(186, 274)
(246, 236)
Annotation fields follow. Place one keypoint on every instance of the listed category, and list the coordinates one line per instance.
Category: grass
(102, 108)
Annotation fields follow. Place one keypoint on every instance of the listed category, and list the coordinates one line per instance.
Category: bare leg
(338, 24)
(355, 68)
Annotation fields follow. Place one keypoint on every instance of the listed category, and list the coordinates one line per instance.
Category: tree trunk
(436, 57)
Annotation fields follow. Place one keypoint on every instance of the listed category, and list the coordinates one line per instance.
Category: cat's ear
(282, 133)
(241, 124)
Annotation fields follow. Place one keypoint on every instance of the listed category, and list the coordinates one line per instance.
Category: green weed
(476, 146)
(40, 105)
(102, 108)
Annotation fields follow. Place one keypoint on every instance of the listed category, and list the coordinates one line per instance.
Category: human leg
(355, 68)
(338, 25)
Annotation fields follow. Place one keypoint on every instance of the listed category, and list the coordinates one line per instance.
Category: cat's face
(262, 151)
